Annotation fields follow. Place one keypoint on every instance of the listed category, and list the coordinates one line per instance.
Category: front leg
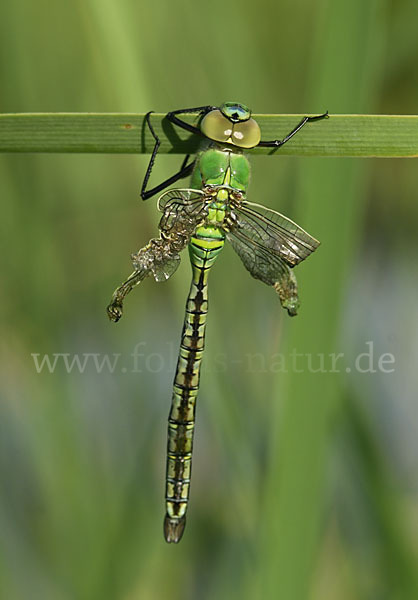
(202, 110)
(278, 143)
(185, 169)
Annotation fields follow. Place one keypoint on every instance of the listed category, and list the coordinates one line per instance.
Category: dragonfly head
(231, 123)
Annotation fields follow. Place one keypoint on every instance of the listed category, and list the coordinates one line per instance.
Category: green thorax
(227, 167)
(216, 164)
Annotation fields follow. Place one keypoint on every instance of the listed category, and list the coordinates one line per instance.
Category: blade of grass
(398, 576)
(340, 135)
(331, 200)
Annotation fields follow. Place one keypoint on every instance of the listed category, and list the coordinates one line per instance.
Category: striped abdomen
(203, 252)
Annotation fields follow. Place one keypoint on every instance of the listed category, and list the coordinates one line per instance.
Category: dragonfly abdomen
(181, 421)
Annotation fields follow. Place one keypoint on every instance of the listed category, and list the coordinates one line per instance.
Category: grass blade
(124, 133)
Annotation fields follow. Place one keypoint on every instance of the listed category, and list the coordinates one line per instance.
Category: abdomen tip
(173, 529)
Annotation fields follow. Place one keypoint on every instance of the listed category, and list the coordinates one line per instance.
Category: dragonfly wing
(274, 230)
(265, 264)
(269, 244)
(183, 211)
(165, 269)
(181, 197)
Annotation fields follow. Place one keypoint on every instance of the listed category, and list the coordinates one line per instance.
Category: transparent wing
(265, 264)
(164, 270)
(275, 231)
(183, 211)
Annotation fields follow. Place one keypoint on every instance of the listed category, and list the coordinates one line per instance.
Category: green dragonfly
(202, 216)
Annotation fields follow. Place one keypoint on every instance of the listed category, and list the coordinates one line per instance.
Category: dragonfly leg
(185, 169)
(115, 308)
(173, 118)
(278, 143)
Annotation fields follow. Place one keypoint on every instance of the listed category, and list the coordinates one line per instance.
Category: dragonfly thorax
(217, 166)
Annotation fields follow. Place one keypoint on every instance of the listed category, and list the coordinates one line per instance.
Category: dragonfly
(212, 209)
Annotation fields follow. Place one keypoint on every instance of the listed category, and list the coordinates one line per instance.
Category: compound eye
(246, 134)
(236, 112)
(216, 127)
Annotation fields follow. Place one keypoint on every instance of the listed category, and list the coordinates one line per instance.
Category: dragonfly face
(212, 210)
(231, 123)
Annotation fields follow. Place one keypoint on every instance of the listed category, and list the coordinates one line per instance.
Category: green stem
(340, 135)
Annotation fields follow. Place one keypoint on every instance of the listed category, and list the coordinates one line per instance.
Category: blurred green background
(305, 476)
